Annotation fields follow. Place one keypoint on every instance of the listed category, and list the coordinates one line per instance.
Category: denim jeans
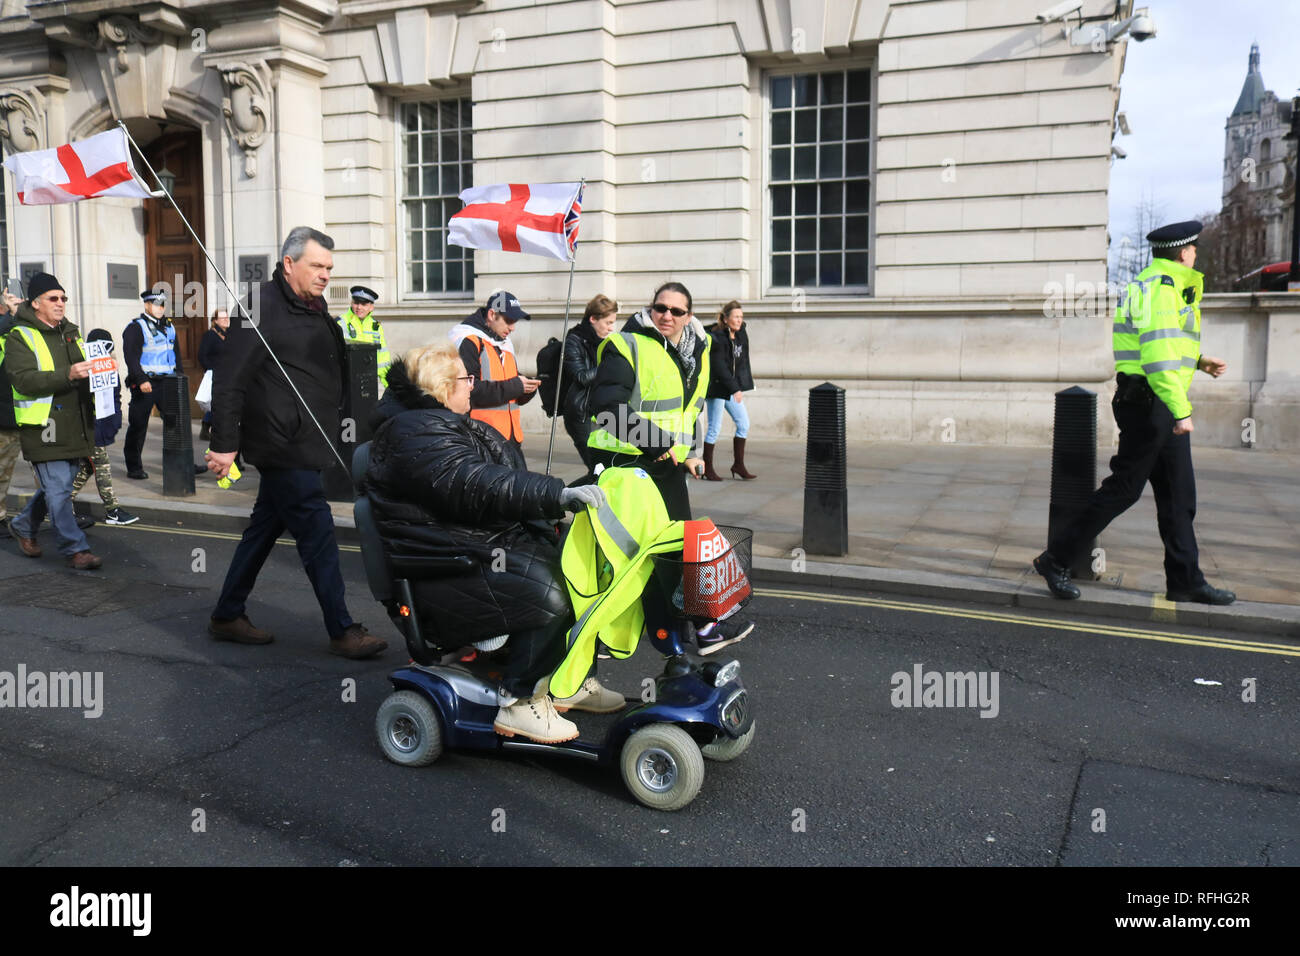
(737, 412)
(55, 498)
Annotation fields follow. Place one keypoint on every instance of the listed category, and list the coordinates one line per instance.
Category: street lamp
(166, 179)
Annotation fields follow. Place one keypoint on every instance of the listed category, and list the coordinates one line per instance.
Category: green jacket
(1157, 331)
(70, 431)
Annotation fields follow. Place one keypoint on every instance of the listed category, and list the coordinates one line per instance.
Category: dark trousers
(1148, 451)
(137, 428)
(293, 499)
(579, 429)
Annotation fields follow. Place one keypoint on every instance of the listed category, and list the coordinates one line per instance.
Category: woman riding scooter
(444, 484)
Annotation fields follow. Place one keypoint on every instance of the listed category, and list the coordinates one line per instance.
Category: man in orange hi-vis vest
(498, 389)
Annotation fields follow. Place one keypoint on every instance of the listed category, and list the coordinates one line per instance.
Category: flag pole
(233, 297)
(564, 331)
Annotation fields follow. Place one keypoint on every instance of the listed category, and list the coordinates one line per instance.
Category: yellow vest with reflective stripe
(656, 395)
(355, 330)
(35, 409)
(1157, 332)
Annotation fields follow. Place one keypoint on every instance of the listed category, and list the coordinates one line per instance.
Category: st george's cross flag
(98, 166)
(540, 219)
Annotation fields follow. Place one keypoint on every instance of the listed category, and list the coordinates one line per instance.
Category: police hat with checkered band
(360, 293)
(1174, 235)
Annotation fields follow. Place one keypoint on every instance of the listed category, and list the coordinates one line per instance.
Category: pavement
(948, 521)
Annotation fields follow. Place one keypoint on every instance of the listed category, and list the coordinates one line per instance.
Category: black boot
(738, 469)
(709, 473)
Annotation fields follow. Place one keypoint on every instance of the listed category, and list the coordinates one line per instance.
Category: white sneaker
(593, 698)
(535, 719)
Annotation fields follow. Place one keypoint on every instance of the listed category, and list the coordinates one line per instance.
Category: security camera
(1060, 11)
(1142, 27)
(1118, 152)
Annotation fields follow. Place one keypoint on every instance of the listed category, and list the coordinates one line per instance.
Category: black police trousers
(1148, 451)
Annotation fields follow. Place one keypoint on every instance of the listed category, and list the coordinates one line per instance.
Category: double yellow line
(1003, 617)
(222, 535)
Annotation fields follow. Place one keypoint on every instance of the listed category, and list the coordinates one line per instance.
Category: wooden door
(171, 254)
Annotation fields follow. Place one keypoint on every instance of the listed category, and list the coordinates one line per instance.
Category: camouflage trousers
(103, 477)
(10, 447)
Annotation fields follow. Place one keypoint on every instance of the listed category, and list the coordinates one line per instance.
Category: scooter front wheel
(408, 729)
(662, 766)
(729, 748)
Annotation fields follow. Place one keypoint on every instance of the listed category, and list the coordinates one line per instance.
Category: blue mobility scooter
(447, 694)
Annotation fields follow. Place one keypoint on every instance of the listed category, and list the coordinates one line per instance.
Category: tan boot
(709, 473)
(535, 719)
(594, 698)
(738, 469)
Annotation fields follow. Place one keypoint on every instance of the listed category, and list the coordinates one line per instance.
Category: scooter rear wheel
(729, 748)
(662, 766)
(408, 729)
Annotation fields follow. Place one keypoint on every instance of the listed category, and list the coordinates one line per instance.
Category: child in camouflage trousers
(106, 430)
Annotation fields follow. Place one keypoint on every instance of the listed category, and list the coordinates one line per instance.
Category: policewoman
(1156, 338)
(149, 348)
(651, 379)
(360, 327)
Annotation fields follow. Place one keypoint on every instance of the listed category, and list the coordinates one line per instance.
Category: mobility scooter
(447, 694)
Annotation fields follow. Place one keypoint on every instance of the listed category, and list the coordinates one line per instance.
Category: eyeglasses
(466, 378)
(56, 298)
(659, 309)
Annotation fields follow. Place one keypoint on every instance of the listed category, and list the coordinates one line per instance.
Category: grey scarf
(686, 350)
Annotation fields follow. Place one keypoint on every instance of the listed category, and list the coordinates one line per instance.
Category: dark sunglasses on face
(660, 309)
(56, 298)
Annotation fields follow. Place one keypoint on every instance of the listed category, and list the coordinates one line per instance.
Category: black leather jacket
(579, 369)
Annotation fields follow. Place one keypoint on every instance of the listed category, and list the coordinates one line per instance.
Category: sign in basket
(714, 582)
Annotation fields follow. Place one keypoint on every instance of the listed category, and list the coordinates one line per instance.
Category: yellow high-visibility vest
(35, 409)
(1157, 331)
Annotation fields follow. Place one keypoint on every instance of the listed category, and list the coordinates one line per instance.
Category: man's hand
(219, 462)
(11, 302)
(1212, 366)
(530, 384)
(146, 387)
(78, 370)
(1183, 426)
(695, 467)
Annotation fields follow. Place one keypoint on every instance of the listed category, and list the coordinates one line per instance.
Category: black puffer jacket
(729, 363)
(579, 370)
(445, 484)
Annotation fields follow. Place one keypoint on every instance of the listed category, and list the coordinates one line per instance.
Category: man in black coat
(255, 412)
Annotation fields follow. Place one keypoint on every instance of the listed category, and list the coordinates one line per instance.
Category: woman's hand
(670, 453)
(695, 467)
(584, 496)
(739, 397)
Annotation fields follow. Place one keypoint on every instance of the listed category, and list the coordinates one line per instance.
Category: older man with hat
(149, 348)
(360, 327)
(48, 372)
(485, 347)
(1156, 338)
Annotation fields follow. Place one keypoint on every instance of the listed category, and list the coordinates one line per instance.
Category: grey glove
(575, 499)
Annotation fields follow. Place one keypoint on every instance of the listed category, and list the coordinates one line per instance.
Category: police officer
(149, 347)
(1157, 344)
(483, 340)
(360, 327)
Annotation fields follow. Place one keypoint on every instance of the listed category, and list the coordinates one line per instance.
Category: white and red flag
(98, 166)
(540, 219)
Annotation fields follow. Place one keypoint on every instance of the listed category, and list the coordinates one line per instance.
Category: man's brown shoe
(240, 630)
(357, 643)
(28, 546)
(84, 561)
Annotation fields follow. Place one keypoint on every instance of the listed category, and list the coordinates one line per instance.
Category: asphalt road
(1105, 744)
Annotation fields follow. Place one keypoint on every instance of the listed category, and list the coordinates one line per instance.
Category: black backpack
(548, 370)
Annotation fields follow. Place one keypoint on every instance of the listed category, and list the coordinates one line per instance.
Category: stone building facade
(909, 196)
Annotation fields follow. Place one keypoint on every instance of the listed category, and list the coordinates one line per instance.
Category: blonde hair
(434, 369)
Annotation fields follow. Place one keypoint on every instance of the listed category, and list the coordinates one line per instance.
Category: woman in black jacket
(729, 379)
(444, 484)
(210, 346)
(580, 370)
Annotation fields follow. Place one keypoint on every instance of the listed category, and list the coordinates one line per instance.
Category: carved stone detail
(246, 106)
(118, 32)
(20, 120)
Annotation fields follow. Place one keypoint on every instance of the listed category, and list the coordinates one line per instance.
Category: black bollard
(178, 441)
(825, 492)
(360, 396)
(1074, 466)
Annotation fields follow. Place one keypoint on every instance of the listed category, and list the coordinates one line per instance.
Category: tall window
(438, 164)
(819, 183)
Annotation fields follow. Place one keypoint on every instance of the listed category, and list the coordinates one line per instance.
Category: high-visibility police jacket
(367, 331)
(607, 560)
(497, 365)
(657, 396)
(1157, 331)
(158, 355)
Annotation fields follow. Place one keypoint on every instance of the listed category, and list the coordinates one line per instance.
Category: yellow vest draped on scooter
(607, 563)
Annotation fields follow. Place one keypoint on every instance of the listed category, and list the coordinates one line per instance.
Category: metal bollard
(1074, 466)
(825, 493)
(178, 441)
(360, 396)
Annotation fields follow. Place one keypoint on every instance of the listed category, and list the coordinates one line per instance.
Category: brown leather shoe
(84, 561)
(28, 546)
(357, 643)
(240, 630)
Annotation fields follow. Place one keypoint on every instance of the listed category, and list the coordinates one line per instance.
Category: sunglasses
(56, 298)
(466, 378)
(659, 309)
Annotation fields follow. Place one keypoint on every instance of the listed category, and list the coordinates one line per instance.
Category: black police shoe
(1057, 577)
(1202, 595)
